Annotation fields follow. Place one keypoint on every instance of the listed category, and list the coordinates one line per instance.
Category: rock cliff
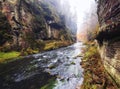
(109, 36)
(24, 23)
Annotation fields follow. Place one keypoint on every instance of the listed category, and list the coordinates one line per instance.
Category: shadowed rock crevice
(109, 33)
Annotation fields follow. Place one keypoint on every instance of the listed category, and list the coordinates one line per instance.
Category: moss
(9, 55)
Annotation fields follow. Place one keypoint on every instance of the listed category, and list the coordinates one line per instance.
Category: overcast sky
(82, 9)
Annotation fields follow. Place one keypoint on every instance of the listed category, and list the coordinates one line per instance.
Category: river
(56, 69)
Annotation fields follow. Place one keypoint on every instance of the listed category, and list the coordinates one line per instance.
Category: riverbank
(95, 75)
(48, 45)
(56, 69)
(7, 56)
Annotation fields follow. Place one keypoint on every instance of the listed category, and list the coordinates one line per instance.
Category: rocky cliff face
(29, 22)
(109, 36)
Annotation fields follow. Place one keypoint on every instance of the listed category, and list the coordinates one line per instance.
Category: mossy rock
(72, 63)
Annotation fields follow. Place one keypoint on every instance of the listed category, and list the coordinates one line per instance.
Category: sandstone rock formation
(109, 36)
(30, 21)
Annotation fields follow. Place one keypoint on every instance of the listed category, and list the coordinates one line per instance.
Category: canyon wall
(109, 36)
(24, 23)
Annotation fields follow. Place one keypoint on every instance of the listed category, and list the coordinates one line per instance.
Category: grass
(5, 56)
(95, 75)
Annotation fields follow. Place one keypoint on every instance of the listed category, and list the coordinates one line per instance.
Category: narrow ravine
(61, 67)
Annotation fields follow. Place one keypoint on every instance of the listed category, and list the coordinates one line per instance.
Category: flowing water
(56, 69)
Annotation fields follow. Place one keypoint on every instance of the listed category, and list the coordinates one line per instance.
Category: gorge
(29, 23)
(32, 33)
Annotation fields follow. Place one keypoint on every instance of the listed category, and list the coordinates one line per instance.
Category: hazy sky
(82, 9)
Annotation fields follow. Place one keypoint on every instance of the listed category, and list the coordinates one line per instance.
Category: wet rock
(72, 63)
(52, 66)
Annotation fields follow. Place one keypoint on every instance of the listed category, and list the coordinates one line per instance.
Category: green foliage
(9, 55)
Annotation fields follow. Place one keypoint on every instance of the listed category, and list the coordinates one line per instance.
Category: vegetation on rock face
(95, 75)
(43, 46)
(25, 26)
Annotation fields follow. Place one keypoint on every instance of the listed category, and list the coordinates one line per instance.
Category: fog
(79, 15)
